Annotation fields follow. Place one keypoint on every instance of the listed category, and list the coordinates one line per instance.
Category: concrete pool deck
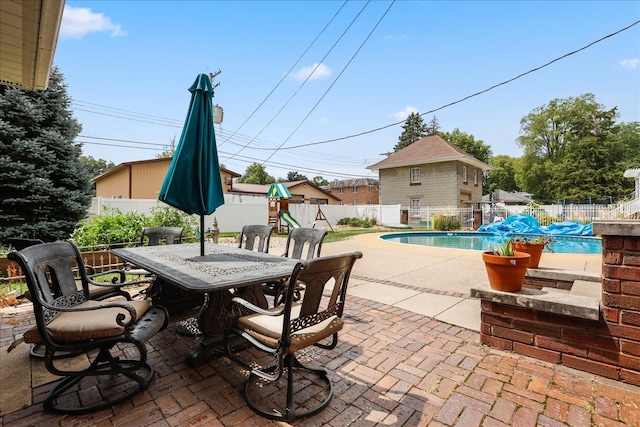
(431, 281)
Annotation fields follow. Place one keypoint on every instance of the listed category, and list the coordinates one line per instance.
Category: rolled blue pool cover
(527, 224)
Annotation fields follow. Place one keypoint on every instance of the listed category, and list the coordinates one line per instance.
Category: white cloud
(78, 21)
(402, 115)
(629, 64)
(321, 71)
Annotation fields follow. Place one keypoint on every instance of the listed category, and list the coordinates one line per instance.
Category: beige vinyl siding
(116, 184)
(147, 179)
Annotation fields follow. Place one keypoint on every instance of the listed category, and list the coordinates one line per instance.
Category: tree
(295, 176)
(467, 142)
(320, 181)
(433, 127)
(256, 174)
(413, 129)
(502, 177)
(570, 151)
(96, 167)
(44, 185)
(169, 150)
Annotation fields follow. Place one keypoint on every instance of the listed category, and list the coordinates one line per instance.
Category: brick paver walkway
(392, 367)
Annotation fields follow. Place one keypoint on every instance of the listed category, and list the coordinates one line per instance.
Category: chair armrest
(116, 282)
(246, 304)
(119, 318)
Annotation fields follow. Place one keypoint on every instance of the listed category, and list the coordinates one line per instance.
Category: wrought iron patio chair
(97, 289)
(68, 321)
(303, 244)
(256, 237)
(282, 331)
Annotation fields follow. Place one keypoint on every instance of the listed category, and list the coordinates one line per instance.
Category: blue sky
(128, 65)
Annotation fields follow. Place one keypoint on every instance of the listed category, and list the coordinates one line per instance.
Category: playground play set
(279, 215)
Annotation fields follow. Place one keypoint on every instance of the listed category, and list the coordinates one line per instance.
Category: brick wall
(362, 196)
(609, 346)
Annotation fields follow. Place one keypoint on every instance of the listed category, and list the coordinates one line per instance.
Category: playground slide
(286, 216)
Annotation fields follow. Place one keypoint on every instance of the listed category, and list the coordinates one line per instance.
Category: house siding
(116, 185)
(438, 185)
(145, 178)
(441, 184)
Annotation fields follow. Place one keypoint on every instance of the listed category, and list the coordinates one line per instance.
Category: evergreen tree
(44, 185)
(433, 127)
(412, 130)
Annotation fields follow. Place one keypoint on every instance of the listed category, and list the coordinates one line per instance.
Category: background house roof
(430, 149)
(514, 197)
(28, 37)
(356, 182)
(259, 189)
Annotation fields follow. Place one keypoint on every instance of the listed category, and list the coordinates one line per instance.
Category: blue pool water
(487, 241)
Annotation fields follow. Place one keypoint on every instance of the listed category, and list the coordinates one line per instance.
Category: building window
(354, 189)
(475, 177)
(341, 190)
(415, 175)
(370, 188)
(369, 202)
(341, 203)
(414, 207)
(354, 203)
(464, 174)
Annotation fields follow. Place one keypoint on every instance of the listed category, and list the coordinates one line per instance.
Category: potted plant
(533, 245)
(506, 268)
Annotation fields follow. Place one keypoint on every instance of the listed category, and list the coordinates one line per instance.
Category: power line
(287, 73)
(469, 96)
(337, 159)
(309, 76)
(335, 80)
(244, 159)
(158, 120)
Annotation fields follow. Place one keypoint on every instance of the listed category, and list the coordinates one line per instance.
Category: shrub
(357, 222)
(115, 228)
(446, 222)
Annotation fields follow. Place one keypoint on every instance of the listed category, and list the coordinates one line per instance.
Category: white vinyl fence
(239, 210)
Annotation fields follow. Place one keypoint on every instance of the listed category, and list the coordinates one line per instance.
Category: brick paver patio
(391, 367)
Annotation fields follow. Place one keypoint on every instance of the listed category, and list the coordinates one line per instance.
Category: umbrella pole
(201, 235)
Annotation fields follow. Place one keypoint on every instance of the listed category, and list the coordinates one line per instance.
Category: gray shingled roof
(355, 182)
(430, 149)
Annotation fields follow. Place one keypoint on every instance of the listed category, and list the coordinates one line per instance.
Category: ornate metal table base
(217, 314)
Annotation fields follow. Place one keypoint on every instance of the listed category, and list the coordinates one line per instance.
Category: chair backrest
(304, 243)
(51, 271)
(318, 274)
(19, 243)
(256, 233)
(153, 236)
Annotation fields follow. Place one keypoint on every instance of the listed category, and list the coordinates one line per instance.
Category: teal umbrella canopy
(193, 182)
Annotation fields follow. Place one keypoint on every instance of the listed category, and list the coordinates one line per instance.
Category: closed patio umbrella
(193, 183)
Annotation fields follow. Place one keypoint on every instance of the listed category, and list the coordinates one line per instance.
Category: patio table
(222, 273)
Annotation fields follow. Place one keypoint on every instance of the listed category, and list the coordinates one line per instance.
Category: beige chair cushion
(267, 329)
(85, 325)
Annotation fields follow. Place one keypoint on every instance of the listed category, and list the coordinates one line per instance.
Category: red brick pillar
(621, 291)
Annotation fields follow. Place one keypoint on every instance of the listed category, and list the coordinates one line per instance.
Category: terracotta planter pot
(506, 273)
(535, 250)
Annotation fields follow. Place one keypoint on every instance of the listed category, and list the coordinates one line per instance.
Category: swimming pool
(487, 241)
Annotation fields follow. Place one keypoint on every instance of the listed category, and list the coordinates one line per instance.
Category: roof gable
(430, 149)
